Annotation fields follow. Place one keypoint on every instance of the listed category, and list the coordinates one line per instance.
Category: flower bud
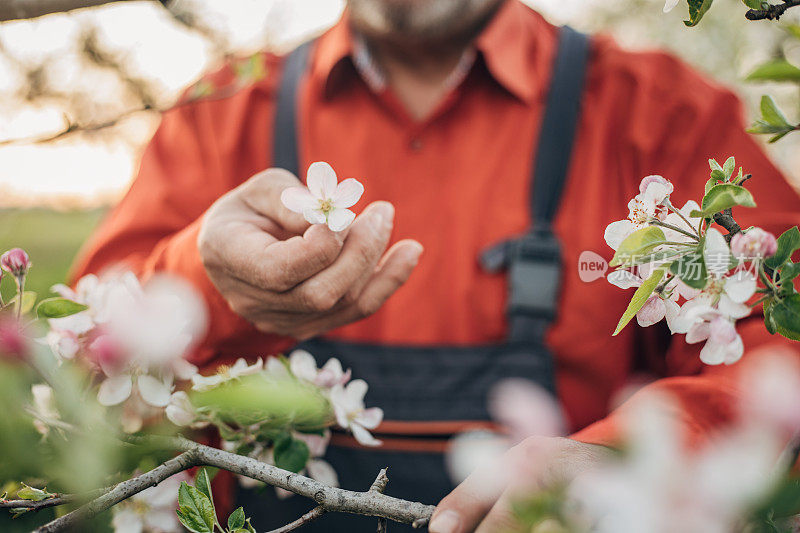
(661, 180)
(755, 244)
(15, 262)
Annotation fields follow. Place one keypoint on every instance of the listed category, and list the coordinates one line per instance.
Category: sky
(86, 170)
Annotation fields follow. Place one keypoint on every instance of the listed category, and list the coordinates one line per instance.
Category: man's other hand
(289, 278)
(483, 503)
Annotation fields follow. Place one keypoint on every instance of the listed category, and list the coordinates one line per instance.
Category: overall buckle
(533, 262)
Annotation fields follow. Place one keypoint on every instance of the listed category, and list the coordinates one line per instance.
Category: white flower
(116, 389)
(323, 201)
(152, 510)
(348, 405)
(180, 410)
(304, 366)
(669, 5)
(44, 408)
(723, 343)
(317, 467)
(226, 373)
(644, 207)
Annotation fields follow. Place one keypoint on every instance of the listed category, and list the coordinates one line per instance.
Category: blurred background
(80, 92)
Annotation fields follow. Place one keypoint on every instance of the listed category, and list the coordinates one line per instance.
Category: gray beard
(417, 20)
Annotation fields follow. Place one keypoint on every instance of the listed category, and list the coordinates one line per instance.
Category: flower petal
(732, 309)
(652, 311)
(363, 436)
(618, 231)
(355, 391)
(669, 5)
(314, 216)
(740, 286)
(348, 192)
(127, 521)
(153, 391)
(298, 199)
(713, 353)
(339, 219)
(716, 253)
(183, 369)
(624, 279)
(323, 472)
(303, 365)
(370, 418)
(115, 390)
(321, 180)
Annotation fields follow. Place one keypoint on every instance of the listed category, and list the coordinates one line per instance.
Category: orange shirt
(459, 181)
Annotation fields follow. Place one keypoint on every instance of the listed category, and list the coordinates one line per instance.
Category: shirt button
(416, 144)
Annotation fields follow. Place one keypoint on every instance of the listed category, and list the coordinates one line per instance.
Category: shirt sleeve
(676, 140)
(155, 226)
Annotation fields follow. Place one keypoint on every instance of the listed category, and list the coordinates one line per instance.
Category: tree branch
(725, 219)
(28, 9)
(773, 12)
(55, 501)
(121, 491)
(329, 499)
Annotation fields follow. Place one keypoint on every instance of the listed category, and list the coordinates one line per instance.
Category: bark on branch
(329, 499)
(773, 12)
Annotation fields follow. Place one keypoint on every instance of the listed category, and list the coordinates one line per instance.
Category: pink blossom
(348, 405)
(13, 343)
(754, 244)
(15, 262)
(525, 410)
(664, 189)
(324, 201)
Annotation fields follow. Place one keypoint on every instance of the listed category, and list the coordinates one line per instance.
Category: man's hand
(484, 501)
(288, 278)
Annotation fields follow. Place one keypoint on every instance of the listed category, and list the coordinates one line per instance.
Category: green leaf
(28, 301)
(785, 500)
(638, 243)
(718, 175)
(714, 165)
(770, 112)
(33, 494)
(640, 298)
(789, 271)
(753, 4)
(769, 322)
(250, 527)
(776, 70)
(291, 454)
(786, 315)
(58, 308)
(236, 519)
(729, 167)
(196, 508)
(697, 8)
(722, 197)
(691, 269)
(759, 126)
(203, 484)
(788, 243)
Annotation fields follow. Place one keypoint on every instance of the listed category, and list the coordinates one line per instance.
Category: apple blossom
(226, 373)
(348, 405)
(683, 220)
(13, 343)
(15, 262)
(755, 243)
(658, 306)
(180, 410)
(304, 366)
(644, 207)
(324, 201)
(317, 467)
(723, 343)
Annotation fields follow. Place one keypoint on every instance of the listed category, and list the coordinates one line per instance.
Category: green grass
(51, 238)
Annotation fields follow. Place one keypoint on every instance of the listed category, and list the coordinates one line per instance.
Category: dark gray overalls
(445, 383)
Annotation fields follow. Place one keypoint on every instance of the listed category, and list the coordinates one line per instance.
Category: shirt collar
(516, 46)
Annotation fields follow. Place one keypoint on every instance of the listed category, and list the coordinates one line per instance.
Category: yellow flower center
(326, 206)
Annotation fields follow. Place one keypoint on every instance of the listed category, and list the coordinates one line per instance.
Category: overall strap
(534, 260)
(285, 141)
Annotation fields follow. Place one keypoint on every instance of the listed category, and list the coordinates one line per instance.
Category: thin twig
(725, 219)
(310, 516)
(667, 225)
(121, 491)
(330, 499)
(773, 12)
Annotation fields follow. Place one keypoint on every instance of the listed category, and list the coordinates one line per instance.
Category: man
(438, 106)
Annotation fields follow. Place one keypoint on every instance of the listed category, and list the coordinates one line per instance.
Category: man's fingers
(263, 262)
(262, 194)
(362, 249)
(501, 517)
(394, 270)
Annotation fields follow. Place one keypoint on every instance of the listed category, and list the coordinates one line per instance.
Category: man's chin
(418, 20)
